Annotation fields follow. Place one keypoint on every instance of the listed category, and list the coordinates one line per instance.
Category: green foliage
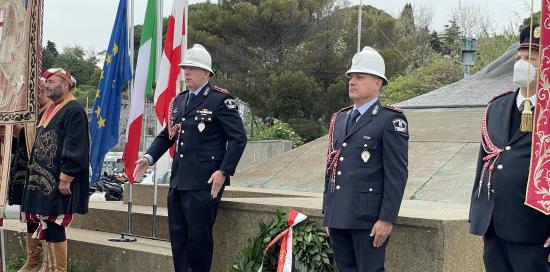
(291, 95)
(277, 131)
(451, 45)
(85, 95)
(82, 65)
(74, 59)
(439, 73)
(310, 247)
(16, 262)
(490, 48)
(308, 129)
(527, 21)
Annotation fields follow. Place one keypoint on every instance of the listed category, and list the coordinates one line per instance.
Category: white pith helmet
(197, 56)
(368, 61)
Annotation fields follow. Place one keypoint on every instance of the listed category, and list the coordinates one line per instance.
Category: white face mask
(522, 75)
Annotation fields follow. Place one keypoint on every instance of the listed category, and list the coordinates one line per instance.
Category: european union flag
(116, 72)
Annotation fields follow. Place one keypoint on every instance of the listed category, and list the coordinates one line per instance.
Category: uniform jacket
(199, 154)
(367, 191)
(513, 221)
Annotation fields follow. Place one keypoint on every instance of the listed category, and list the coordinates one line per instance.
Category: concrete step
(112, 217)
(93, 249)
(143, 193)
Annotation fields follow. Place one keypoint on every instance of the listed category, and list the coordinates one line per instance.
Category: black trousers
(54, 233)
(353, 251)
(191, 216)
(504, 256)
(31, 227)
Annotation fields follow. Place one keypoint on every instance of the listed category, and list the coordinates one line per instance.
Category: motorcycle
(111, 186)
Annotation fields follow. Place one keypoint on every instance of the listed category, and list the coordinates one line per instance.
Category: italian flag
(143, 85)
(175, 46)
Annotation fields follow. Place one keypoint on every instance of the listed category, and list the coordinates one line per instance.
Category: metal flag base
(127, 237)
(123, 238)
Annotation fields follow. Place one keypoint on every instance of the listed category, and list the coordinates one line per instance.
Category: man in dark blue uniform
(514, 234)
(366, 169)
(209, 139)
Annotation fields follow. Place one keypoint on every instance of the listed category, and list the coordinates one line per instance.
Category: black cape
(61, 146)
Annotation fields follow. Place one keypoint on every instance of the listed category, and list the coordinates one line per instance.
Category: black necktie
(189, 98)
(351, 120)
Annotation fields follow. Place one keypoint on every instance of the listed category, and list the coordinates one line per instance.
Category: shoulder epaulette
(344, 109)
(500, 95)
(393, 108)
(221, 90)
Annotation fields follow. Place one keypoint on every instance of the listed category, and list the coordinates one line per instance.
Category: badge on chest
(203, 117)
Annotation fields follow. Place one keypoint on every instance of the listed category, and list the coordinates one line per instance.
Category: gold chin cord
(527, 114)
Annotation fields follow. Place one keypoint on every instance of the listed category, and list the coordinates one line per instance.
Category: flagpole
(130, 25)
(359, 22)
(159, 52)
(3, 247)
(130, 89)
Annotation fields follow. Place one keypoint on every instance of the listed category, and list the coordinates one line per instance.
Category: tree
(83, 67)
(406, 20)
(435, 42)
(438, 73)
(490, 48)
(48, 59)
(50, 46)
(451, 39)
(473, 20)
(527, 21)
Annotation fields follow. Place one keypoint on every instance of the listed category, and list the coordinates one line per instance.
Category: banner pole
(130, 22)
(3, 246)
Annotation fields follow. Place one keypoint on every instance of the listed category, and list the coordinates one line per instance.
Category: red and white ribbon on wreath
(285, 255)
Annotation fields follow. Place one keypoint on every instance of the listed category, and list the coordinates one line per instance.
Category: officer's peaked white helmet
(197, 56)
(368, 61)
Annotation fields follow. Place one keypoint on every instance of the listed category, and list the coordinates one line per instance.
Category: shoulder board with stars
(500, 95)
(393, 108)
(221, 90)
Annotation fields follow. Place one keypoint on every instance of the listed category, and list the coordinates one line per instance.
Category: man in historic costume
(57, 179)
(366, 169)
(209, 138)
(20, 163)
(513, 233)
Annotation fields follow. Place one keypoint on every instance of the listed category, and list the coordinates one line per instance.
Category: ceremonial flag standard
(143, 85)
(104, 123)
(537, 194)
(169, 71)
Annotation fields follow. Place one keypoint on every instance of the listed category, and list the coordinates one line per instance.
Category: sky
(89, 23)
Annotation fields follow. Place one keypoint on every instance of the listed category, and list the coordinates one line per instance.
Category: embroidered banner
(20, 49)
(537, 195)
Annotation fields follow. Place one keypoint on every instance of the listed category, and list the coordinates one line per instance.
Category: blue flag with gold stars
(104, 123)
